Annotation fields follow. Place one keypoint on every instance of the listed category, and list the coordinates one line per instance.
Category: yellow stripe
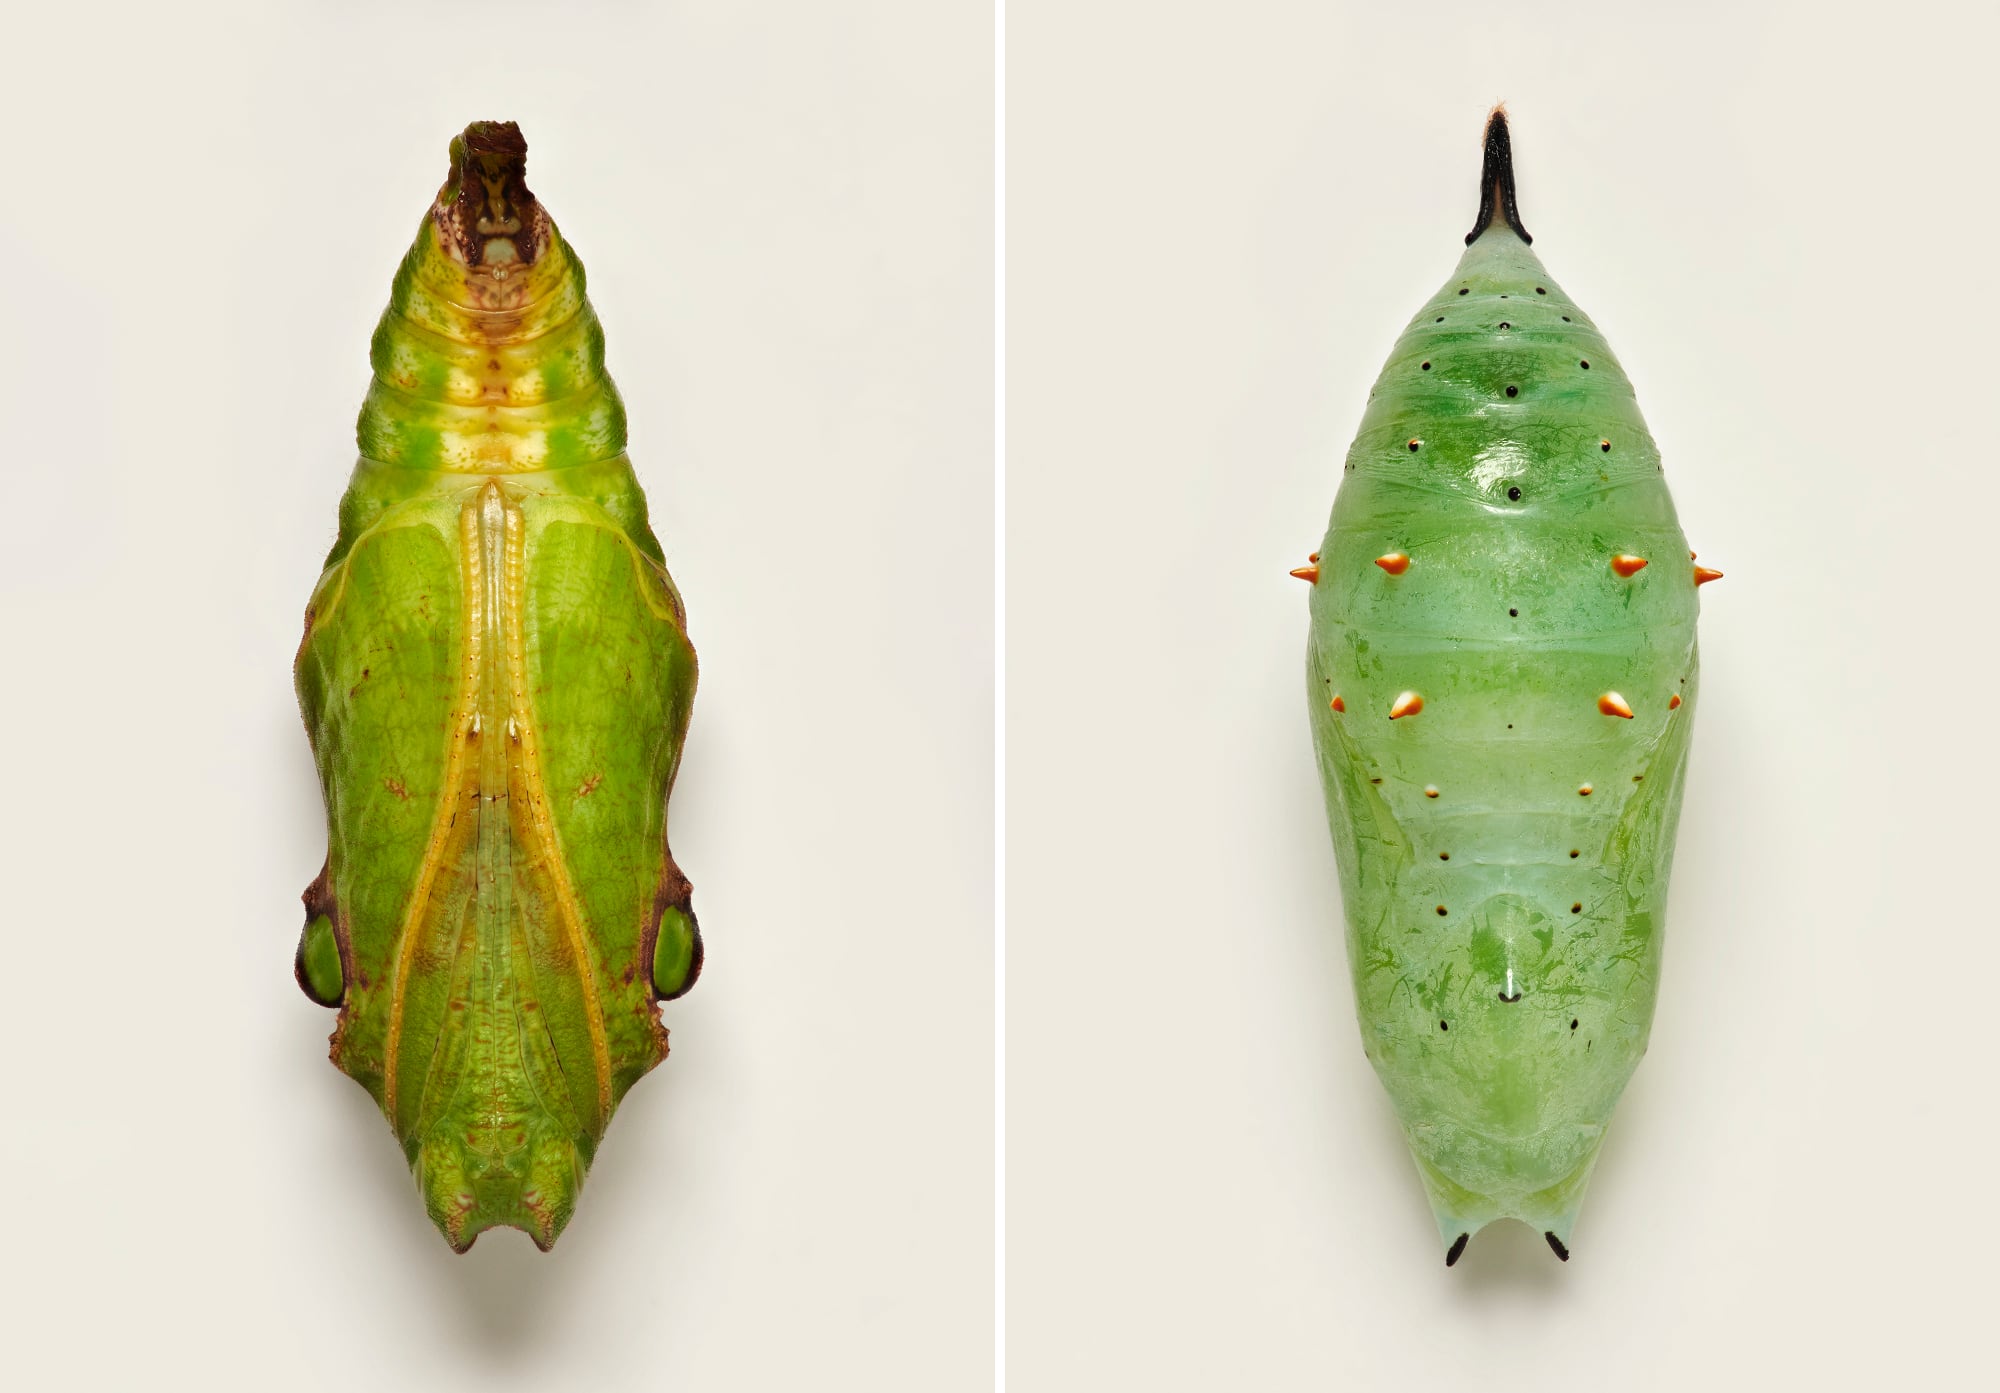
(455, 775)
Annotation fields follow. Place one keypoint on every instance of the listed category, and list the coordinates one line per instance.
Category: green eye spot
(317, 965)
(677, 953)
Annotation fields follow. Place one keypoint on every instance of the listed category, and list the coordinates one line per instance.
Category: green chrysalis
(1502, 677)
(496, 678)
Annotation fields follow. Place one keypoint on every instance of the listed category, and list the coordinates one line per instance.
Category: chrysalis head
(485, 213)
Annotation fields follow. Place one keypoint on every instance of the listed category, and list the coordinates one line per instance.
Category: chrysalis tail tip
(1457, 1250)
(1496, 182)
(1557, 1246)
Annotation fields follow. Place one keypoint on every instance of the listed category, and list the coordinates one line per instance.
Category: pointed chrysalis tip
(1496, 181)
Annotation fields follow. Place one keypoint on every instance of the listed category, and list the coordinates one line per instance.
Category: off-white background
(1220, 217)
(786, 212)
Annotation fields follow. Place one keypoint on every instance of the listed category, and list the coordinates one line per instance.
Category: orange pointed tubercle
(1337, 704)
(1612, 704)
(1703, 575)
(1308, 574)
(1674, 701)
(1627, 565)
(1408, 704)
(1395, 563)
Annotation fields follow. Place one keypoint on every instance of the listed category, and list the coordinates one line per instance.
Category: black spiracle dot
(1541, 290)
(1583, 363)
(1512, 390)
(1505, 325)
(1442, 1025)
(1574, 853)
(1444, 856)
(1439, 320)
(1576, 908)
(1427, 367)
(1514, 494)
(1513, 614)
(1415, 445)
(1572, 1022)
(1565, 319)
(1441, 911)
(1463, 291)
(1604, 445)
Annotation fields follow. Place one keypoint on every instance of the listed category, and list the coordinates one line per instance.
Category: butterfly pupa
(496, 678)
(1501, 605)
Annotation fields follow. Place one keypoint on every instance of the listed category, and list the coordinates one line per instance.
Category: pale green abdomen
(1504, 842)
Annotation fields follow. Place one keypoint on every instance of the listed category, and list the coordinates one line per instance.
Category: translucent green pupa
(1502, 677)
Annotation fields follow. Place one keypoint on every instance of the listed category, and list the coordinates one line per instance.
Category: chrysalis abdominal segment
(1505, 836)
(497, 679)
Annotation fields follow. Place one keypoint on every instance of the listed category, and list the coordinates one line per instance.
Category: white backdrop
(786, 213)
(1220, 217)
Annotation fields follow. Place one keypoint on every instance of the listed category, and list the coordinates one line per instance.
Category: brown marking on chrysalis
(486, 195)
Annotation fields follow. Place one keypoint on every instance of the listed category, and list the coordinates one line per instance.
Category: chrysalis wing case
(1502, 677)
(496, 678)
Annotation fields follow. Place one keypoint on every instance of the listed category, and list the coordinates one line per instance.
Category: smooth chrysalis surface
(496, 678)
(1502, 676)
